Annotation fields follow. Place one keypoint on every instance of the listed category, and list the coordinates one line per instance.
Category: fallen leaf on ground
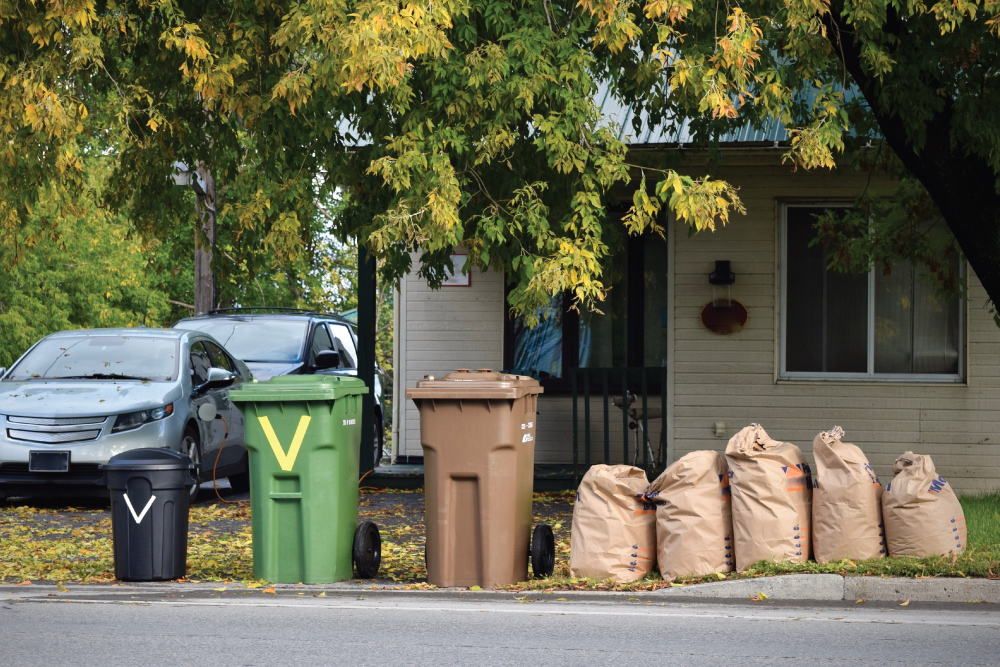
(762, 596)
(25, 583)
(269, 590)
(903, 604)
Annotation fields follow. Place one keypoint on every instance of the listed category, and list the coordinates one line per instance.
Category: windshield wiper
(105, 376)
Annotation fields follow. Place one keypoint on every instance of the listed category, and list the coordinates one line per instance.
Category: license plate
(48, 461)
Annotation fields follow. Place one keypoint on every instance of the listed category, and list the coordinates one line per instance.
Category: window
(219, 358)
(320, 343)
(629, 331)
(200, 363)
(345, 346)
(872, 326)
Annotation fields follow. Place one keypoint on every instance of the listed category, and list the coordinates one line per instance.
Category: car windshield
(279, 341)
(99, 357)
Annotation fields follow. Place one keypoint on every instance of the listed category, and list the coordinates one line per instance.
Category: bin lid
(299, 388)
(483, 383)
(149, 458)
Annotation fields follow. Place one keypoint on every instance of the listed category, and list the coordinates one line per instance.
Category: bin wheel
(367, 550)
(192, 447)
(543, 551)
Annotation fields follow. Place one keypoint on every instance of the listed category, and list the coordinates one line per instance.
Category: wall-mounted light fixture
(723, 314)
(722, 280)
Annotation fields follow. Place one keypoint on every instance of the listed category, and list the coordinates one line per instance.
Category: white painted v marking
(138, 519)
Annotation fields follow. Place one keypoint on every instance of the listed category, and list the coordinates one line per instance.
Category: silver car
(77, 398)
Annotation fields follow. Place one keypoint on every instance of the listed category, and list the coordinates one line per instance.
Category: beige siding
(733, 379)
(439, 331)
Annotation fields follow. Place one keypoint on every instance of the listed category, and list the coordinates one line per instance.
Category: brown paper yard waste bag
(847, 502)
(694, 520)
(921, 512)
(614, 528)
(771, 485)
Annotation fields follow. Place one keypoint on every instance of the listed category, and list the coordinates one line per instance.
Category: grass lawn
(53, 542)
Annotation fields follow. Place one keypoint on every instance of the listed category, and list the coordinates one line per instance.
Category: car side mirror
(327, 359)
(217, 379)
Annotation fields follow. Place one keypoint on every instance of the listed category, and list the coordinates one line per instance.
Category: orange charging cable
(215, 484)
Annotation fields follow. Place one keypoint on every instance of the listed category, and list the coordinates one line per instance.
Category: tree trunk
(963, 186)
(204, 277)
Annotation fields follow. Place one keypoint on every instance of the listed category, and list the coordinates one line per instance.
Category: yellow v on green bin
(303, 434)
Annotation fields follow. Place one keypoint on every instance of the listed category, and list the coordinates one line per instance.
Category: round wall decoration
(724, 321)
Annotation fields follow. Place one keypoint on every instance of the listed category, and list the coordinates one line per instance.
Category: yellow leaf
(475, 588)
(152, 124)
(762, 596)
(255, 584)
(321, 595)
(269, 590)
(904, 603)
(219, 589)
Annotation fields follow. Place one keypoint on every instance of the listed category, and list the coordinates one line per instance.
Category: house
(882, 356)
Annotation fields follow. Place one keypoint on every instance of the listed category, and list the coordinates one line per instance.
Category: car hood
(265, 370)
(83, 398)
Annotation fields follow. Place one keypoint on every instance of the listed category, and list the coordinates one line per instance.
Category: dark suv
(286, 341)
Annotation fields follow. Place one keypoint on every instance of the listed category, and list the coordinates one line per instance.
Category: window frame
(869, 376)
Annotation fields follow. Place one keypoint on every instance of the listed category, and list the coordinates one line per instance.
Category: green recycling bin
(303, 433)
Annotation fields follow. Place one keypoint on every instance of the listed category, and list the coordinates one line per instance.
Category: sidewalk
(786, 588)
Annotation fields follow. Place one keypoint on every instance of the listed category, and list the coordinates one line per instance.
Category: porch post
(366, 353)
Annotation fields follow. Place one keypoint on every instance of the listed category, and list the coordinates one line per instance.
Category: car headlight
(131, 420)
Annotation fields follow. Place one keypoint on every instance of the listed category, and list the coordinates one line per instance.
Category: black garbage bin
(149, 513)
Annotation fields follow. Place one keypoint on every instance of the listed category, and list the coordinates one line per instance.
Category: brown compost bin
(478, 435)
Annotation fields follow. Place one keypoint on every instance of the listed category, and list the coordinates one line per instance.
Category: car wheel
(379, 442)
(240, 482)
(191, 446)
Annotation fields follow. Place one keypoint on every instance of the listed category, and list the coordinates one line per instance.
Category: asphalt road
(394, 629)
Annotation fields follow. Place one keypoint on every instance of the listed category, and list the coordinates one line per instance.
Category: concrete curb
(835, 587)
(785, 588)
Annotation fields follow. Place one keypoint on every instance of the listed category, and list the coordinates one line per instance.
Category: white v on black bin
(149, 513)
